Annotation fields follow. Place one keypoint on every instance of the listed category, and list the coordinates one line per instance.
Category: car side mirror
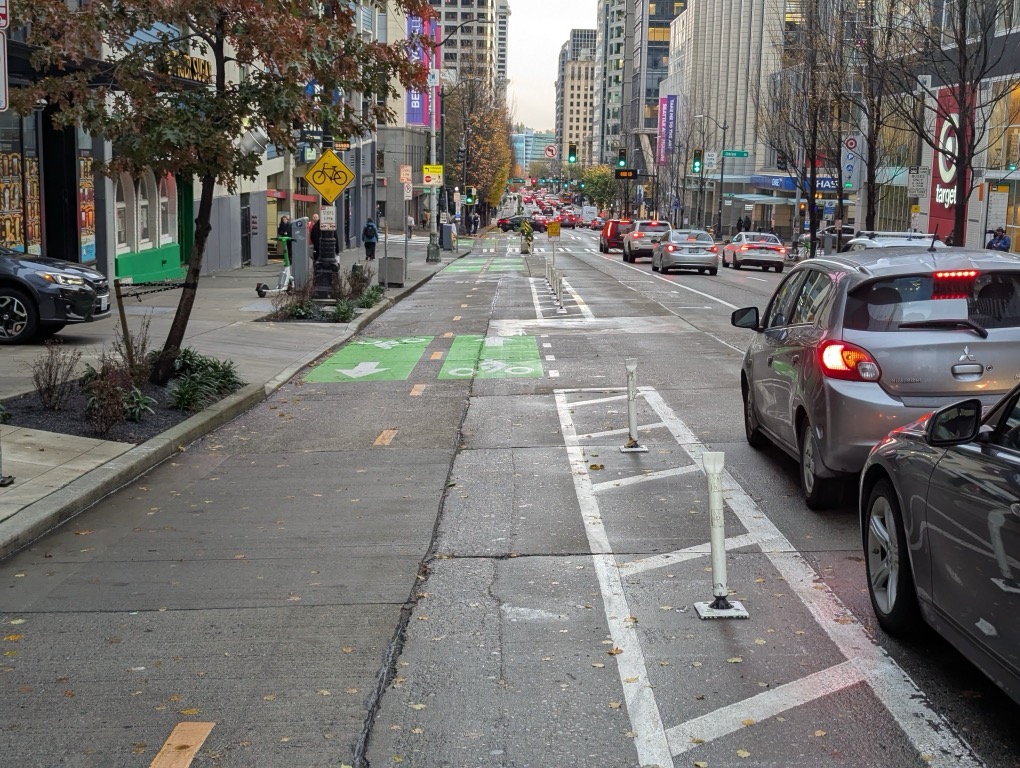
(955, 424)
(726, 242)
(745, 318)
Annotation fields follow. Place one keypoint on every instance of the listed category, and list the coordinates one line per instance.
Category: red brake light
(639, 234)
(782, 250)
(745, 247)
(841, 360)
(714, 249)
(653, 223)
(954, 284)
(670, 247)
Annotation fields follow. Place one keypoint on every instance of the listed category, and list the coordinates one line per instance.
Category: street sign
(734, 153)
(405, 174)
(711, 160)
(408, 190)
(918, 177)
(432, 175)
(852, 161)
(329, 176)
(327, 218)
(550, 150)
(5, 14)
(456, 199)
(342, 145)
(553, 229)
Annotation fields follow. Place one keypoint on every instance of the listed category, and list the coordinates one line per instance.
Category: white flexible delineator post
(632, 445)
(721, 607)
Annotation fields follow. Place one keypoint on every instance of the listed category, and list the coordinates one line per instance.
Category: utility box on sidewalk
(446, 237)
(391, 271)
(301, 250)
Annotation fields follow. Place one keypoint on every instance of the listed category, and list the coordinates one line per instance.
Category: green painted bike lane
(486, 264)
(372, 360)
(493, 357)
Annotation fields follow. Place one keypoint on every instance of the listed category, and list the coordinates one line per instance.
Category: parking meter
(301, 247)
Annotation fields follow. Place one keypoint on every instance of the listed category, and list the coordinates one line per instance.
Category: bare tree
(960, 60)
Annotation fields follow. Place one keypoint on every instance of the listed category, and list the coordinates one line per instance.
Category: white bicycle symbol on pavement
(493, 366)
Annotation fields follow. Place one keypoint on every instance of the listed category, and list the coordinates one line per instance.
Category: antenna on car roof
(934, 239)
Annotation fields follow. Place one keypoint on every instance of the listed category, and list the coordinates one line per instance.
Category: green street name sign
(734, 153)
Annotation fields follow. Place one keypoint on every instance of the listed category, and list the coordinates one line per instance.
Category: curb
(36, 520)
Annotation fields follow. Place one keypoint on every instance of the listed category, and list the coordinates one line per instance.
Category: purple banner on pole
(671, 107)
(417, 112)
(661, 153)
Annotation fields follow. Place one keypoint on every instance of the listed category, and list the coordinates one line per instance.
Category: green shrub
(104, 405)
(221, 375)
(191, 392)
(365, 300)
(136, 403)
(343, 312)
(5, 415)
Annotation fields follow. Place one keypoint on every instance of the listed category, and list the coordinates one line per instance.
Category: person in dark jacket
(370, 236)
(315, 234)
(284, 234)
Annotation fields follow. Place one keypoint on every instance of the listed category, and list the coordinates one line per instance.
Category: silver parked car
(940, 519)
(852, 345)
(686, 249)
(754, 249)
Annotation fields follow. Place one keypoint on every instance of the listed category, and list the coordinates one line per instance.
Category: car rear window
(655, 226)
(992, 300)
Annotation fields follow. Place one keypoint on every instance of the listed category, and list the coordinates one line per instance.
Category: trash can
(391, 271)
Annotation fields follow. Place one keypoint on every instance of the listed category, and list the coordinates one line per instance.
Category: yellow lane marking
(417, 389)
(437, 356)
(448, 334)
(456, 317)
(464, 306)
(385, 437)
(182, 745)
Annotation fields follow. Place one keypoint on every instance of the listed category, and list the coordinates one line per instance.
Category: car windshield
(685, 236)
(772, 239)
(987, 301)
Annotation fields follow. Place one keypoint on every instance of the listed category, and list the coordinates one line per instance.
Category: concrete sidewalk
(58, 476)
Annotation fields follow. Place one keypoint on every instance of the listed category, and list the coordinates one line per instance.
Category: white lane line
(759, 279)
(554, 374)
(690, 553)
(620, 431)
(623, 482)
(646, 721)
(727, 720)
(927, 730)
(535, 300)
(550, 358)
(599, 401)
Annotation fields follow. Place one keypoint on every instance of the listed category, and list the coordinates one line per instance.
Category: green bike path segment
(372, 360)
(486, 264)
(493, 357)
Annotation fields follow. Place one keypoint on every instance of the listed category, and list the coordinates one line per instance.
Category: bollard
(559, 294)
(721, 607)
(632, 445)
(5, 480)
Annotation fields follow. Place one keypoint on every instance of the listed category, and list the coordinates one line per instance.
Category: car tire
(654, 267)
(736, 263)
(752, 431)
(19, 317)
(713, 272)
(819, 492)
(724, 262)
(779, 269)
(887, 564)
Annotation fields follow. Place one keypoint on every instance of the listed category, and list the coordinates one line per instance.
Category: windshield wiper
(948, 323)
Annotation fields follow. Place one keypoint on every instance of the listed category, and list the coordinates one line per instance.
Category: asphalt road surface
(428, 549)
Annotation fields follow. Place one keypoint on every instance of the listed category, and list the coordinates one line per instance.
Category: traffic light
(460, 154)
(696, 165)
(571, 152)
(582, 185)
(469, 196)
(621, 158)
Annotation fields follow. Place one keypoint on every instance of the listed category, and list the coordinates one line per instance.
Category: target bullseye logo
(948, 143)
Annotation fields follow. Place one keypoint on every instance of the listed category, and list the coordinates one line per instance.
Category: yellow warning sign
(553, 229)
(329, 176)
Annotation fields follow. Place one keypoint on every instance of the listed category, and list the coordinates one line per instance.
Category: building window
(143, 211)
(121, 215)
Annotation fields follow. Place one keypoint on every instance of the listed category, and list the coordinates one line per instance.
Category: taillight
(714, 249)
(782, 250)
(954, 284)
(670, 248)
(745, 247)
(639, 234)
(841, 360)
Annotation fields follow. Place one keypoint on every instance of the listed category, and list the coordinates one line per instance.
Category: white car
(755, 249)
(866, 240)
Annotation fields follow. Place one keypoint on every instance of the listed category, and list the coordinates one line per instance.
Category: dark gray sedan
(940, 517)
(685, 249)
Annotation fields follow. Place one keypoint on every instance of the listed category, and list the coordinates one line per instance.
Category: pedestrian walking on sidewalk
(370, 236)
(410, 226)
(315, 234)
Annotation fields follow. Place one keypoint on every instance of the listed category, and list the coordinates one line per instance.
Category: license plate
(104, 304)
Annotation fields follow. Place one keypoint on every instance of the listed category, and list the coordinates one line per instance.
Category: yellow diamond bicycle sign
(329, 176)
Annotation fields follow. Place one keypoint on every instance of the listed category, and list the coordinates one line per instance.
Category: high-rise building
(575, 94)
(502, 32)
(649, 67)
(472, 50)
(613, 37)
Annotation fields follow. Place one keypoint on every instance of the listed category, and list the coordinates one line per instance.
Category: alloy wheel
(13, 317)
(883, 555)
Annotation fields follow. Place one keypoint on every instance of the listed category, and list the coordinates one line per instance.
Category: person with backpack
(370, 236)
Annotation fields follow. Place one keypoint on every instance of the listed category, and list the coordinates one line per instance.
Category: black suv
(40, 295)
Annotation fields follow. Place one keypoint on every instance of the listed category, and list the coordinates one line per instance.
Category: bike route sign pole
(329, 176)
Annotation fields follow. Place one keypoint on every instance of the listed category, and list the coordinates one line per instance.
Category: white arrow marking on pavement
(362, 369)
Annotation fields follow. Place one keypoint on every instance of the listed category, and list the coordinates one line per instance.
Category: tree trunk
(164, 367)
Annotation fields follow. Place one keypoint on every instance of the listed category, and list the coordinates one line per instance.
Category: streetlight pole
(722, 167)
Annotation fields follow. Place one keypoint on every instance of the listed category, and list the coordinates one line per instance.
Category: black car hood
(46, 264)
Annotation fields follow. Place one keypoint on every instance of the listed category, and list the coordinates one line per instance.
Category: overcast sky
(537, 31)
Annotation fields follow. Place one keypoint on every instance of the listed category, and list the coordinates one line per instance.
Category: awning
(765, 199)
